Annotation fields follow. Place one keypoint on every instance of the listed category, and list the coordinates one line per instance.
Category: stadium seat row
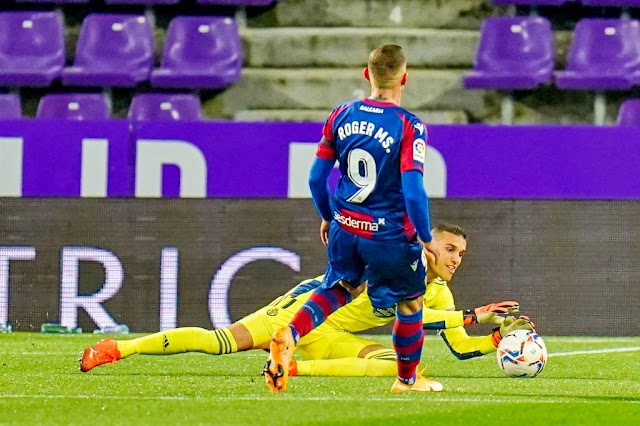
(518, 53)
(614, 3)
(167, 106)
(116, 50)
(151, 2)
(96, 106)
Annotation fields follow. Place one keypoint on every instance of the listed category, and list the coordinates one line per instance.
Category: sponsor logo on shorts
(360, 225)
(272, 312)
(384, 312)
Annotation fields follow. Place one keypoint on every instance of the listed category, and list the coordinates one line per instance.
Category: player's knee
(408, 307)
(383, 354)
(353, 291)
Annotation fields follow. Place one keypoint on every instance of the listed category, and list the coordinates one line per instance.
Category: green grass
(40, 383)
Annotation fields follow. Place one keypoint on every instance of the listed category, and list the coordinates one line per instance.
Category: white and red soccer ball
(522, 353)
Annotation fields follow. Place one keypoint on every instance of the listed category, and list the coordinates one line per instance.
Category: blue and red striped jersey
(374, 143)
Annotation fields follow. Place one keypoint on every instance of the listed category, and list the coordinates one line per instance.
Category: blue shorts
(394, 269)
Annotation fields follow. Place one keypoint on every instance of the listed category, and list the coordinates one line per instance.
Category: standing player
(378, 208)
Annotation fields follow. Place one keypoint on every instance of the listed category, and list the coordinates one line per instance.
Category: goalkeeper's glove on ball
(508, 325)
(494, 313)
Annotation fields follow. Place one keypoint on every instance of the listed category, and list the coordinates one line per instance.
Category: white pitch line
(163, 398)
(596, 351)
(492, 400)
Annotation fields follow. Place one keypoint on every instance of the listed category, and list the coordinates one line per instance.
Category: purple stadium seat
(238, 2)
(165, 106)
(531, 2)
(53, 1)
(74, 106)
(513, 53)
(629, 114)
(141, 1)
(613, 3)
(31, 48)
(10, 107)
(200, 52)
(112, 50)
(604, 54)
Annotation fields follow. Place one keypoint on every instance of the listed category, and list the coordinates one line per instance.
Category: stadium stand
(513, 53)
(299, 56)
(629, 113)
(165, 106)
(32, 49)
(74, 106)
(113, 50)
(200, 52)
(10, 107)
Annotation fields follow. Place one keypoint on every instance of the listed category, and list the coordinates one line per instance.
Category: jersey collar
(377, 103)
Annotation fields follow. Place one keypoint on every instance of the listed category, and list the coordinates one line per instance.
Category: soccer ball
(522, 353)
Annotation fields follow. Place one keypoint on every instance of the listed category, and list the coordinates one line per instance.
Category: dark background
(573, 265)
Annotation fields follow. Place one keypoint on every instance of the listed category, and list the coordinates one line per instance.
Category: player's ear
(365, 72)
(404, 79)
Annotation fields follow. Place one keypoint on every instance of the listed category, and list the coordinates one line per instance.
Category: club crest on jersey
(419, 150)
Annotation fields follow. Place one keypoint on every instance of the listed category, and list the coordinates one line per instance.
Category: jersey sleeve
(413, 146)
(435, 319)
(456, 338)
(326, 148)
(464, 346)
(439, 309)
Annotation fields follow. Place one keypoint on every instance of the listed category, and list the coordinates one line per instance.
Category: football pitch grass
(587, 380)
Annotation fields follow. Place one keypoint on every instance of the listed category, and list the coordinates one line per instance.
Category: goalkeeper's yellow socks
(180, 340)
(377, 363)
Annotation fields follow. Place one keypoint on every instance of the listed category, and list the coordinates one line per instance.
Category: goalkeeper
(332, 349)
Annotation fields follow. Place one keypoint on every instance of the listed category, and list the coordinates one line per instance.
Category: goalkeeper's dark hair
(450, 228)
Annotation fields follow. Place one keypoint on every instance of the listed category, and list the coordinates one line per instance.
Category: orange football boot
(293, 368)
(102, 352)
(421, 384)
(276, 370)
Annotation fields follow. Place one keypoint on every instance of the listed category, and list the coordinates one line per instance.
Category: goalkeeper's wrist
(469, 317)
(496, 337)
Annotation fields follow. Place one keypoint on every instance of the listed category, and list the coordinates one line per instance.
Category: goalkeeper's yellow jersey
(438, 313)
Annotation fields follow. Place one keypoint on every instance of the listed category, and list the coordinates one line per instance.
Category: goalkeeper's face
(451, 249)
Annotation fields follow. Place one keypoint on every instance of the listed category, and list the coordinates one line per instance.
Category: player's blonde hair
(386, 65)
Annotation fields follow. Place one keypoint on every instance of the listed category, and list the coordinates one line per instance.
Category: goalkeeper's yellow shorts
(324, 342)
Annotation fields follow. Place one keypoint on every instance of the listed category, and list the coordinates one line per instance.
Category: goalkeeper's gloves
(508, 325)
(494, 313)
